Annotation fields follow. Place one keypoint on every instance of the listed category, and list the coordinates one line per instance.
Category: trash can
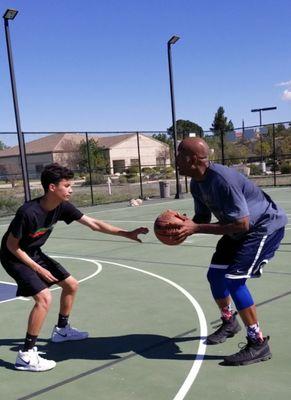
(165, 189)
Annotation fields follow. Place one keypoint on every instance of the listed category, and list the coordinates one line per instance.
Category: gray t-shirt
(229, 196)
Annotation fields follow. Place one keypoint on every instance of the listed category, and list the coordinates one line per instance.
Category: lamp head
(173, 40)
(10, 14)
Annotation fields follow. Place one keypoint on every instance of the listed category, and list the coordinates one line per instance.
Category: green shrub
(133, 170)
(255, 169)
(122, 179)
(285, 168)
(133, 179)
(97, 179)
(147, 170)
(9, 205)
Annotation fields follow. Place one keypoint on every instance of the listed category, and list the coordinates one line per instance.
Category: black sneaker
(227, 329)
(252, 352)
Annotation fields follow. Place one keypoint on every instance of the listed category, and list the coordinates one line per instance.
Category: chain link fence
(119, 166)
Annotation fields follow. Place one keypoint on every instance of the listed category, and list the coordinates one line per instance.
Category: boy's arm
(104, 227)
(13, 246)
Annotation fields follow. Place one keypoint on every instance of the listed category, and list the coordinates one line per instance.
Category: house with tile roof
(64, 148)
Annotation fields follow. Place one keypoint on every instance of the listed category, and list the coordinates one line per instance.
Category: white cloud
(287, 83)
(286, 96)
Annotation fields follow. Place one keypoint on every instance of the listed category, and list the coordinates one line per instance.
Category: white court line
(203, 329)
(202, 320)
(99, 269)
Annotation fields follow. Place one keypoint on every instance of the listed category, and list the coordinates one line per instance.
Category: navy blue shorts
(246, 257)
(28, 281)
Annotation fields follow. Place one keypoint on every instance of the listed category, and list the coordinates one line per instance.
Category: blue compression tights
(222, 287)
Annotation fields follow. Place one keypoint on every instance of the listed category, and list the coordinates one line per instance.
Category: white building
(120, 150)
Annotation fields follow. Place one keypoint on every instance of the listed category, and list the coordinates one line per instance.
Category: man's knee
(216, 279)
(240, 293)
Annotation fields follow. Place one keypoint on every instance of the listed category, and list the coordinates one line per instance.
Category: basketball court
(147, 308)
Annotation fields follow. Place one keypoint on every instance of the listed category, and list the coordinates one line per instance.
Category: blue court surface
(148, 309)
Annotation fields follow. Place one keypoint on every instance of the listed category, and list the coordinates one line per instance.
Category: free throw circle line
(202, 322)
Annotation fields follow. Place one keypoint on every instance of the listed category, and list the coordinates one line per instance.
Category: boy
(35, 272)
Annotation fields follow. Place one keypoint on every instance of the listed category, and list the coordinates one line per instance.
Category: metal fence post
(139, 166)
(274, 155)
(90, 169)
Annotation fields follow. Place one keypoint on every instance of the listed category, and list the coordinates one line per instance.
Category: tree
(184, 127)
(220, 123)
(98, 159)
(2, 145)
(167, 152)
(220, 126)
(162, 137)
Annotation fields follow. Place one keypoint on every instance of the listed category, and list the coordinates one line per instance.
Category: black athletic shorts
(28, 281)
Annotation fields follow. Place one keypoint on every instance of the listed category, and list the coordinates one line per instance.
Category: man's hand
(187, 228)
(133, 235)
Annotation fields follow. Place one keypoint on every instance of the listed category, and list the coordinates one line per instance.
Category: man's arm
(237, 226)
(13, 246)
(104, 227)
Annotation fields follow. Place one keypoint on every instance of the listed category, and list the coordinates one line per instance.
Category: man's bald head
(192, 158)
(194, 146)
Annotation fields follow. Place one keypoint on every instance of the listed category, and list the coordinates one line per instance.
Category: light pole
(10, 15)
(172, 41)
(259, 110)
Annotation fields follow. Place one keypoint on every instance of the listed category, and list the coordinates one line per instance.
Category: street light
(172, 41)
(259, 110)
(10, 15)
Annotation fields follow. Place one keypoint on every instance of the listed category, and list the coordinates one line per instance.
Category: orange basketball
(167, 225)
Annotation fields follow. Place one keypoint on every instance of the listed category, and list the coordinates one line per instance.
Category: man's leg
(221, 295)
(63, 331)
(257, 348)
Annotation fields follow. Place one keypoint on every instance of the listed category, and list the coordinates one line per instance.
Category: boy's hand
(45, 274)
(133, 235)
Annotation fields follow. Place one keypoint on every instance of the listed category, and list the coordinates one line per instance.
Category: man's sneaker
(31, 361)
(227, 329)
(252, 352)
(67, 333)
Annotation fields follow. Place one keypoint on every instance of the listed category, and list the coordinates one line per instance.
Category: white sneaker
(67, 333)
(31, 361)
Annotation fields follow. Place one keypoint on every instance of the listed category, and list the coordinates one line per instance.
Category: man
(35, 272)
(252, 226)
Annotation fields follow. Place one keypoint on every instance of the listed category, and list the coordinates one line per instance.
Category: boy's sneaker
(67, 333)
(254, 351)
(227, 329)
(31, 361)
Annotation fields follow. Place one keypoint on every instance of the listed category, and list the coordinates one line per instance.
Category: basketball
(167, 225)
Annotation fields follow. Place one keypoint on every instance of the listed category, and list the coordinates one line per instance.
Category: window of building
(118, 166)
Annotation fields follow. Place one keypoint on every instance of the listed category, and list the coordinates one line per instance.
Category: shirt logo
(40, 232)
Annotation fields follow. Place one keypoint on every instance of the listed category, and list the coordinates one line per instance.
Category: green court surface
(147, 308)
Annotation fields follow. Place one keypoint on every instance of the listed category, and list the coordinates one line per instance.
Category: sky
(101, 65)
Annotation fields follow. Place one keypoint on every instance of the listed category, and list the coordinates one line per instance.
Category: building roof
(60, 142)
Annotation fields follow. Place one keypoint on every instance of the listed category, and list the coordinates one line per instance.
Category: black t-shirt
(33, 225)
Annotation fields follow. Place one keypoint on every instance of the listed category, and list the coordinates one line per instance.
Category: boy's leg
(63, 331)
(39, 312)
(28, 358)
(69, 290)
